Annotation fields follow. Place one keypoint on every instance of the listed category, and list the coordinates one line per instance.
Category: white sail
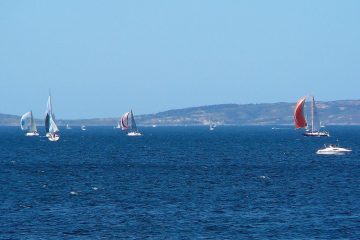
(49, 106)
(315, 118)
(32, 123)
(25, 121)
(53, 128)
(132, 125)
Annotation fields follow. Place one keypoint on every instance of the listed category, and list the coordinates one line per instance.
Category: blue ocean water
(179, 183)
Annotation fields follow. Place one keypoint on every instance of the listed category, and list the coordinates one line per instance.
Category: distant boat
(301, 122)
(154, 125)
(333, 150)
(27, 123)
(83, 127)
(129, 126)
(212, 126)
(50, 126)
(68, 127)
(118, 126)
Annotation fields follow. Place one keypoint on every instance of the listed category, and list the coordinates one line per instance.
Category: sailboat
(129, 126)
(27, 123)
(68, 126)
(83, 127)
(301, 122)
(50, 126)
(118, 126)
(212, 126)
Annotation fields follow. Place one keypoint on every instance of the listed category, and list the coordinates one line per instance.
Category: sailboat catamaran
(50, 126)
(27, 122)
(301, 122)
(129, 126)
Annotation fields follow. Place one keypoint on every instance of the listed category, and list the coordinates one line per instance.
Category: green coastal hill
(341, 112)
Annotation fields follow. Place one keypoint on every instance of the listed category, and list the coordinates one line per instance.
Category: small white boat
(333, 150)
(68, 127)
(129, 126)
(83, 127)
(27, 122)
(212, 126)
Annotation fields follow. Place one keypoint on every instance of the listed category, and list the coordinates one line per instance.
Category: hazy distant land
(341, 112)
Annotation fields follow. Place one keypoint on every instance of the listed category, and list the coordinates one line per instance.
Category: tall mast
(312, 114)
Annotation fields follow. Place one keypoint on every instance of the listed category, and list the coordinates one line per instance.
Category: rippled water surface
(179, 183)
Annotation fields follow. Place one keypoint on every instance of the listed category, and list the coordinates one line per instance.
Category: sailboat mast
(312, 113)
(32, 123)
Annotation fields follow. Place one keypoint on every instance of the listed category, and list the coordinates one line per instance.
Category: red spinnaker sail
(299, 118)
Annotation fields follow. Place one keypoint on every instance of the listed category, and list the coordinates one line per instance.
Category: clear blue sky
(101, 58)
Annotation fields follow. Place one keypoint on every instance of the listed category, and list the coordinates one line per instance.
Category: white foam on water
(264, 177)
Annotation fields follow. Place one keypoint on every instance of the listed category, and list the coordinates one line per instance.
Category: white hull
(54, 138)
(134, 134)
(317, 134)
(333, 150)
(32, 134)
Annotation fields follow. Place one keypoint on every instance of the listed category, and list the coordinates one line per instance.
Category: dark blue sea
(179, 183)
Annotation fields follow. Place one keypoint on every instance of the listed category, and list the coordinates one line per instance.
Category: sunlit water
(179, 183)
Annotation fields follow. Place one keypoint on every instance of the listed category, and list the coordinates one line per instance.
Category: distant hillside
(7, 120)
(342, 112)
(345, 112)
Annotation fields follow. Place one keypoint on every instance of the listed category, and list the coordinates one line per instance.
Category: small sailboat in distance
(27, 122)
(50, 126)
(83, 127)
(118, 126)
(68, 126)
(129, 126)
(212, 126)
(301, 122)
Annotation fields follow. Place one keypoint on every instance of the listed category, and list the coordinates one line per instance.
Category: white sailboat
(212, 126)
(301, 122)
(129, 126)
(118, 126)
(50, 126)
(83, 127)
(68, 127)
(27, 123)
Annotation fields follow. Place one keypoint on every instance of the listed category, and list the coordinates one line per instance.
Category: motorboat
(333, 150)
